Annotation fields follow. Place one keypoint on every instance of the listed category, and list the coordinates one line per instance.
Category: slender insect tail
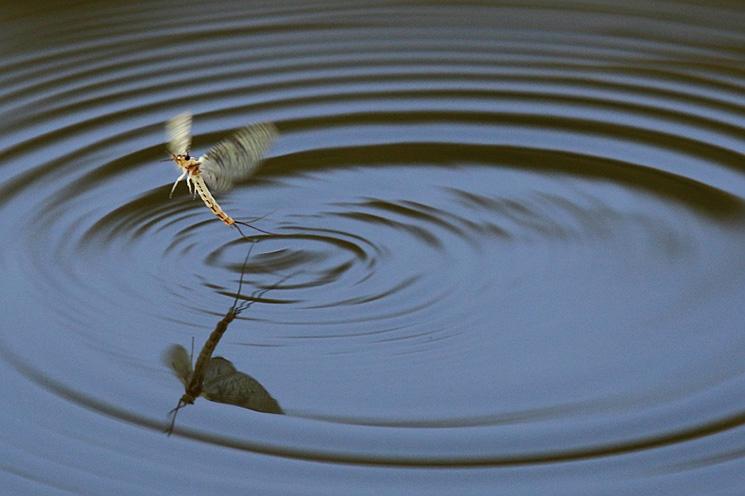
(235, 224)
(173, 413)
(254, 219)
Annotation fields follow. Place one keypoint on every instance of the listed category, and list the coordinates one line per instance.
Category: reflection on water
(216, 378)
(515, 228)
(221, 383)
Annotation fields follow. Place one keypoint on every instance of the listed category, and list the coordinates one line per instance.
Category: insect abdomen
(209, 200)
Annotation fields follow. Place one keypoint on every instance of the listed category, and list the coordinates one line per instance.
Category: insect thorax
(187, 163)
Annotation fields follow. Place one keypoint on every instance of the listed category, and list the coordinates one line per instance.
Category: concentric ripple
(495, 235)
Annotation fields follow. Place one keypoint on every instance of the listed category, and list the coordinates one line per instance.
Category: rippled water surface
(505, 249)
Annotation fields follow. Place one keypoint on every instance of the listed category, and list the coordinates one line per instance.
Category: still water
(506, 249)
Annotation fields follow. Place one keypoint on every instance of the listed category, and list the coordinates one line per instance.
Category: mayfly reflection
(231, 160)
(215, 378)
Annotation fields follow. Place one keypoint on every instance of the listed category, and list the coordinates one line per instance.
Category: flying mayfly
(231, 160)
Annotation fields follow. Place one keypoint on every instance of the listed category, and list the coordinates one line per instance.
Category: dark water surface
(514, 231)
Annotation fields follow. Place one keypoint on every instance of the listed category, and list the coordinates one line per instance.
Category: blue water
(505, 249)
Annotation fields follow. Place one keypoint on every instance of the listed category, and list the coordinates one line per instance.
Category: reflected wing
(178, 131)
(177, 359)
(224, 384)
(236, 157)
(218, 369)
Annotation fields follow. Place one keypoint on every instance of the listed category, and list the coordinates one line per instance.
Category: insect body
(231, 160)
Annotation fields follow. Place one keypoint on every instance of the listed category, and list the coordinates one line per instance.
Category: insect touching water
(231, 160)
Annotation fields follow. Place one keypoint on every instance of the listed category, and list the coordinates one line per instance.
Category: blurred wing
(224, 384)
(177, 359)
(178, 131)
(236, 157)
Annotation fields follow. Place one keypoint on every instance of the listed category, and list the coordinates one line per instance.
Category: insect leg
(188, 184)
(183, 175)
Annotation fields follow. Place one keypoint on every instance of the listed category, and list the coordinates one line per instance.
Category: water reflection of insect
(231, 160)
(218, 381)
(216, 378)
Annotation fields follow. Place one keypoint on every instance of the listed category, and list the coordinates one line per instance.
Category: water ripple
(502, 235)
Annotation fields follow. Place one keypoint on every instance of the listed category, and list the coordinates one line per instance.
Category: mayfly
(233, 159)
(216, 378)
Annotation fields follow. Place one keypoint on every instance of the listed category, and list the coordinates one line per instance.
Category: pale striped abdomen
(209, 200)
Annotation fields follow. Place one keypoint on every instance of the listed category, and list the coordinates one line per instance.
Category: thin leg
(192, 191)
(183, 175)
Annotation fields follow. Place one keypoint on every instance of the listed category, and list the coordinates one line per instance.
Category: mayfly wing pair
(231, 160)
(222, 382)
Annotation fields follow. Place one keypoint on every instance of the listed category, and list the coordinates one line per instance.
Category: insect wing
(178, 131)
(177, 359)
(224, 384)
(236, 157)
